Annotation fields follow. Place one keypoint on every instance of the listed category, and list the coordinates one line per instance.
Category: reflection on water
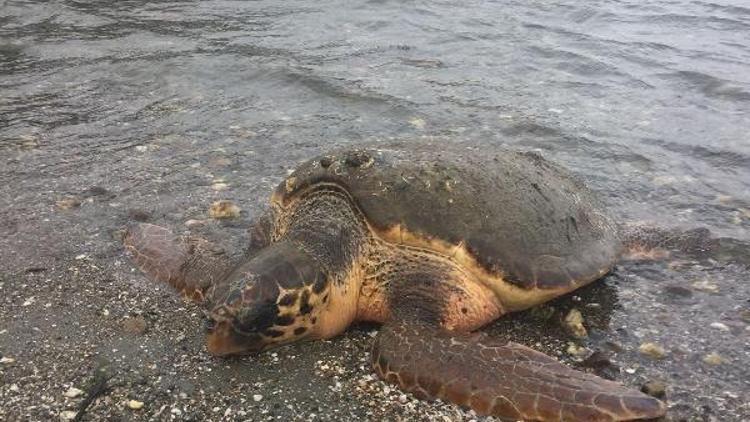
(648, 101)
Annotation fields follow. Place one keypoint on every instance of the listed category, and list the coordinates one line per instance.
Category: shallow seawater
(151, 110)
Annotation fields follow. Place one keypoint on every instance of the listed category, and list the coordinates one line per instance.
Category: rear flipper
(645, 241)
(507, 380)
(191, 265)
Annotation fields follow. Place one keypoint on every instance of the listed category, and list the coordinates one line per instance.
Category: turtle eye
(209, 323)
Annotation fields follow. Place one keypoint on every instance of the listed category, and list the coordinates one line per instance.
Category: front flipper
(191, 265)
(507, 380)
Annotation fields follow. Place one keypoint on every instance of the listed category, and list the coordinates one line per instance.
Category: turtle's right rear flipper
(191, 265)
(500, 378)
(642, 241)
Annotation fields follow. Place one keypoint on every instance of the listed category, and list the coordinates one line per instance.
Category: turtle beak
(223, 340)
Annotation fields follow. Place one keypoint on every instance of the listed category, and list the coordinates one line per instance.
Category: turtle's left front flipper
(191, 265)
(507, 380)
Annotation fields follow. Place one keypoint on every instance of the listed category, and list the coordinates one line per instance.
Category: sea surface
(160, 107)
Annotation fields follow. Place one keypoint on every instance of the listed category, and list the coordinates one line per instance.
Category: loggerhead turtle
(432, 241)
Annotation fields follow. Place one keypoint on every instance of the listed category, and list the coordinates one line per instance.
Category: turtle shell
(521, 217)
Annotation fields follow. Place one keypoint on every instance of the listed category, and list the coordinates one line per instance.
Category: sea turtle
(431, 240)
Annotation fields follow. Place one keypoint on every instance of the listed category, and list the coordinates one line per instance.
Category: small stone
(402, 399)
(141, 148)
(600, 362)
(28, 141)
(257, 397)
(705, 286)
(219, 186)
(135, 404)
(73, 392)
(678, 291)
(139, 215)
(358, 159)
(713, 358)
(576, 350)
(574, 323)
(417, 123)
(724, 199)
(99, 191)
(6, 360)
(223, 209)
(175, 411)
(68, 415)
(597, 360)
(14, 388)
(542, 312)
(655, 389)
(652, 350)
(290, 184)
(719, 326)
(68, 203)
(192, 223)
(219, 162)
(135, 325)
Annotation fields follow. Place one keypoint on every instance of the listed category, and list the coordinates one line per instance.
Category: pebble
(417, 123)
(219, 186)
(713, 358)
(73, 392)
(652, 350)
(139, 215)
(219, 162)
(135, 325)
(679, 291)
(655, 389)
(68, 415)
(543, 312)
(223, 209)
(257, 397)
(576, 350)
(68, 203)
(6, 360)
(574, 323)
(719, 326)
(135, 404)
(705, 286)
(175, 411)
(14, 388)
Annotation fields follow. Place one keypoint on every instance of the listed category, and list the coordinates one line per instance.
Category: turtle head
(271, 300)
